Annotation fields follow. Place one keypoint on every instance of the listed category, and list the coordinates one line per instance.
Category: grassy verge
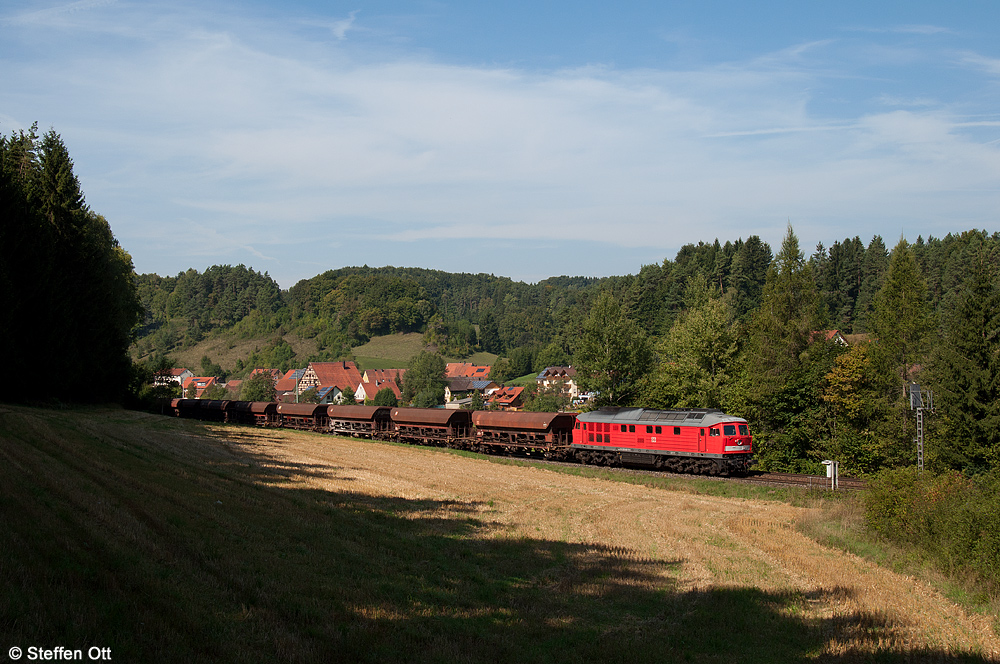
(841, 525)
(154, 538)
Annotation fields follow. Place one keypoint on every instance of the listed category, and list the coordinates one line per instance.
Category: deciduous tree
(614, 354)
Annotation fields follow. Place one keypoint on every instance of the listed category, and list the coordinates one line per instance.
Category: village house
(284, 387)
(200, 383)
(829, 335)
(343, 375)
(172, 377)
(368, 389)
(506, 398)
(462, 388)
(381, 375)
(563, 378)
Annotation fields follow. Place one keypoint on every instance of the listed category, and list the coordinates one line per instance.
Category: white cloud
(981, 62)
(340, 28)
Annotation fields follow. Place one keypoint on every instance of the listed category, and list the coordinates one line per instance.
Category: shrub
(953, 519)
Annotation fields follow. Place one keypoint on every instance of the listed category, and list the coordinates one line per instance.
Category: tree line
(67, 288)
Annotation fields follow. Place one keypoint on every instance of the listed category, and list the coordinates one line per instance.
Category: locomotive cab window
(729, 429)
(714, 432)
(744, 430)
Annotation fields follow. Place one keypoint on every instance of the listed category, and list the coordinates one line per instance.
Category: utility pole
(920, 399)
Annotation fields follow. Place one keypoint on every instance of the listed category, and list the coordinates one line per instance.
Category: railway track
(808, 481)
(754, 477)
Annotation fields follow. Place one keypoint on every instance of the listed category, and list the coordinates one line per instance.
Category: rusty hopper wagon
(432, 426)
(306, 416)
(360, 421)
(544, 434)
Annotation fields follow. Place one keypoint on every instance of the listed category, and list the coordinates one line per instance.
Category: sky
(521, 139)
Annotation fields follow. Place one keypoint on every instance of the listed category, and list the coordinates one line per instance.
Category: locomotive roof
(680, 416)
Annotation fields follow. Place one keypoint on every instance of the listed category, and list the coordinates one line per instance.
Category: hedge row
(953, 518)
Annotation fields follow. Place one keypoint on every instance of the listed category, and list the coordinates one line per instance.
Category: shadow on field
(162, 558)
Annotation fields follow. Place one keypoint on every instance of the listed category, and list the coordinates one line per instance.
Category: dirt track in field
(719, 542)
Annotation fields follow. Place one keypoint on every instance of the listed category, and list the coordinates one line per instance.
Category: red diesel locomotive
(694, 440)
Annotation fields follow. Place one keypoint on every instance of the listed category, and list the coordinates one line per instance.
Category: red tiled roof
(201, 383)
(285, 385)
(466, 370)
(337, 374)
(378, 375)
(506, 395)
(381, 385)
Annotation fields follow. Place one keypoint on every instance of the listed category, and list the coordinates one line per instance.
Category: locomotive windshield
(729, 429)
(744, 430)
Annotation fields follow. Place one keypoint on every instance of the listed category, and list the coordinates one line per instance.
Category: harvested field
(172, 540)
(697, 544)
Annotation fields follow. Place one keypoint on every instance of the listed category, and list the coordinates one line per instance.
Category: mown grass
(156, 539)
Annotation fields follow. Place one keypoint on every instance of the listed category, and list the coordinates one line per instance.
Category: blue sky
(521, 139)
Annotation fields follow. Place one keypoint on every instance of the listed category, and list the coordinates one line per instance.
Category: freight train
(693, 440)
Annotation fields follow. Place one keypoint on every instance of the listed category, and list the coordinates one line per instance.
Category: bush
(953, 519)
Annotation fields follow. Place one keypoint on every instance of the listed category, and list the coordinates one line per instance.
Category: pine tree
(873, 268)
(788, 315)
(779, 387)
(901, 320)
(965, 375)
(748, 274)
(80, 304)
